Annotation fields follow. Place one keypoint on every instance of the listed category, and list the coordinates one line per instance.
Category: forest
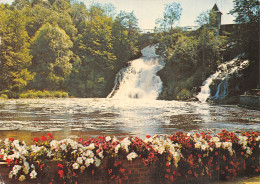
(62, 45)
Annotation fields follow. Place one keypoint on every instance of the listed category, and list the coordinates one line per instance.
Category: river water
(90, 117)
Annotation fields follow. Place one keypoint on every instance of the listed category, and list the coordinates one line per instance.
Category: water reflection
(93, 117)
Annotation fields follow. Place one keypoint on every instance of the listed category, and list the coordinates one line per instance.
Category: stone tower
(218, 17)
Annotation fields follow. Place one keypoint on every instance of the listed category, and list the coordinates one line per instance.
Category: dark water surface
(90, 117)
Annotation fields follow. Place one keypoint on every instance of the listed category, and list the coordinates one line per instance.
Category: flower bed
(161, 158)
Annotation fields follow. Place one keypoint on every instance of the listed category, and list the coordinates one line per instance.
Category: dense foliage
(63, 45)
(191, 56)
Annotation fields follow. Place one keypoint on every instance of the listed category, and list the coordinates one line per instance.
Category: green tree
(96, 59)
(14, 52)
(211, 45)
(246, 36)
(171, 15)
(21, 4)
(125, 31)
(51, 50)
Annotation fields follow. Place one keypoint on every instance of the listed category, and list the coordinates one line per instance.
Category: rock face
(235, 77)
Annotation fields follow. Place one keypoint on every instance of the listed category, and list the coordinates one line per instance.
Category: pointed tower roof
(215, 8)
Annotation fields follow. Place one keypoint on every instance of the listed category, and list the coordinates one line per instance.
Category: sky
(147, 11)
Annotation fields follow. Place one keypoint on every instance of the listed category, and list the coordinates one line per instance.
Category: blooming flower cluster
(176, 156)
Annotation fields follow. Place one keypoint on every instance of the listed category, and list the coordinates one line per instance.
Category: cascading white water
(139, 79)
(205, 90)
(224, 71)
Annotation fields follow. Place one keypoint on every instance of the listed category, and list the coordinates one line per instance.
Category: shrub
(43, 94)
(184, 94)
(3, 97)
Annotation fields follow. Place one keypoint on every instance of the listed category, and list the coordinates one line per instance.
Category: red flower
(60, 165)
(224, 158)
(61, 173)
(43, 138)
(122, 170)
(50, 135)
(74, 174)
(191, 162)
(166, 176)
(242, 153)
(36, 139)
(41, 166)
(189, 172)
(80, 139)
(11, 139)
(147, 136)
(110, 171)
(196, 175)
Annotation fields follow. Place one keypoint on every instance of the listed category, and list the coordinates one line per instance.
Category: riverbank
(31, 94)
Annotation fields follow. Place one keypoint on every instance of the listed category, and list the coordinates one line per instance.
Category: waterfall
(139, 79)
(205, 90)
(223, 74)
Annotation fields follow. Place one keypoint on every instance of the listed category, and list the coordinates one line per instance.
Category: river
(90, 117)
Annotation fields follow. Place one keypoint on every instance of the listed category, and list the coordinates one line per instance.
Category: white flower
(89, 161)
(32, 166)
(100, 154)
(215, 139)
(198, 145)
(89, 153)
(75, 165)
(2, 151)
(54, 144)
(218, 144)
(125, 143)
(11, 174)
(146, 140)
(33, 174)
(49, 154)
(7, 142)
(249, 151)
(26, 167)
(131, 156)
(227, 144)
(91, 146)
(117, 148)
(16, 169)
(108, 138)
(203, 147)
(22, 178)
(114, 139)
(17, 155)
(230, 151)
(80, 160)
(161, 149)
(63, 147)
(258, 138)
(97, 162)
